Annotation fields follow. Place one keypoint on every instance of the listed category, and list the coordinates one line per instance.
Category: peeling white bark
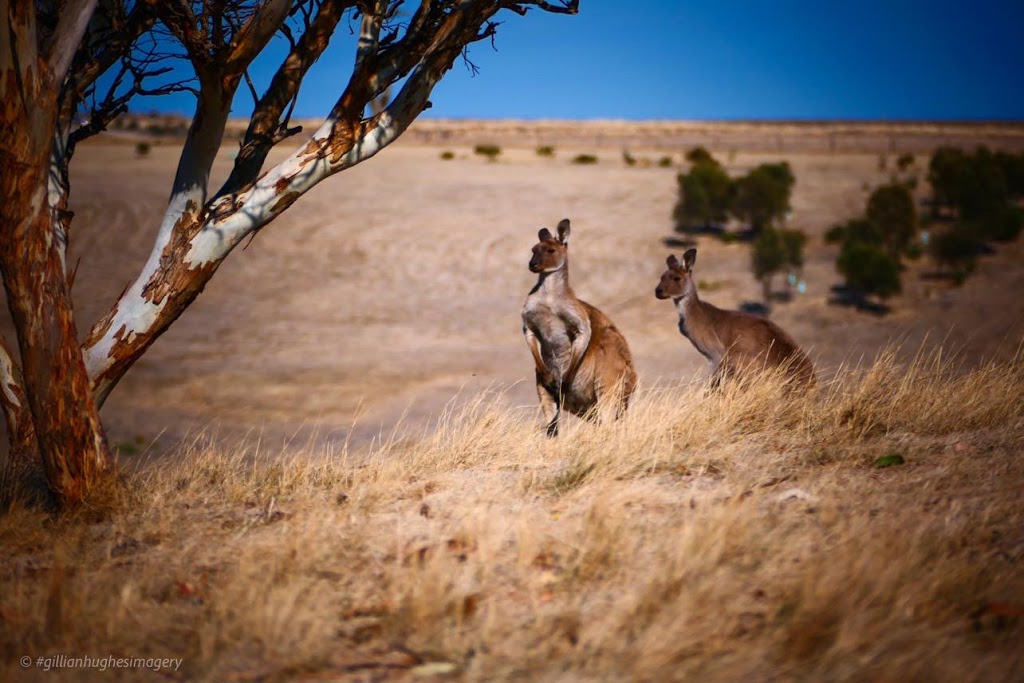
(8, 382)
(302, 170)
(135, 314)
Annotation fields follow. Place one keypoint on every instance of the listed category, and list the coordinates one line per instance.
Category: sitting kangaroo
(582, 361)
(731, 341)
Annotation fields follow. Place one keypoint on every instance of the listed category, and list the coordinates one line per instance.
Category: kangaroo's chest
(551, 322)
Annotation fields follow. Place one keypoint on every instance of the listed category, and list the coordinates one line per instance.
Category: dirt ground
(396, 286)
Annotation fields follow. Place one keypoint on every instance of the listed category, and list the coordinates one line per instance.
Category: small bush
(584, 159)
(545, 151)
(142, 148)
(490, 151)
(665, 162)
(700, 155)
(904, 161)
(628, 158)
(447, 155)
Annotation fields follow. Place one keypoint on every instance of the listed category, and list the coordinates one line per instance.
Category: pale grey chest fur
(550, 318)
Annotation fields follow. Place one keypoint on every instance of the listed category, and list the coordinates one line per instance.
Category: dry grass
(740, 535)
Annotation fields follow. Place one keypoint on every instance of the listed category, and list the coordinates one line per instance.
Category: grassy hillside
(870, 530)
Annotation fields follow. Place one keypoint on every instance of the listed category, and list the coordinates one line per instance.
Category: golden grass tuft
(709, 535)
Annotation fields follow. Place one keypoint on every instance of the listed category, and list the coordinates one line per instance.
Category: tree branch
(253, 36)
(265, 127)
(74, 18)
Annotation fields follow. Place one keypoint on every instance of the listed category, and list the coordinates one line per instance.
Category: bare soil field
(334, 468)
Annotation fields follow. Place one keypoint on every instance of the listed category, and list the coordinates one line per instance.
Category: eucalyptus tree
(69, 67)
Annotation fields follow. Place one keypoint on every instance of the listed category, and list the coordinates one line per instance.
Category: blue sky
(672, 59)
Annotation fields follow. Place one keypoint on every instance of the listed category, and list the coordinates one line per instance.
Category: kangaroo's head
(551, 253)
(677, 281)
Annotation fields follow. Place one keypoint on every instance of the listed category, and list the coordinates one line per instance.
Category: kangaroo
(733, 342)
(583, 362)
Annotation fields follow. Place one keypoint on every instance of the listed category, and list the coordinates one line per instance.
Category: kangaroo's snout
(659, 293)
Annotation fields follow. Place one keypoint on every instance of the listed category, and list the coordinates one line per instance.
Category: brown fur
(733, 342)
(583, 362)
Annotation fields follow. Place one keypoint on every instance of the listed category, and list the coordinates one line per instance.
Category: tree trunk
(56, 388)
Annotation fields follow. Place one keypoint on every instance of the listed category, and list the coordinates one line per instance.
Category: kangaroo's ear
(544, 234)
(672, 261)
(563, 231)
(689, 258)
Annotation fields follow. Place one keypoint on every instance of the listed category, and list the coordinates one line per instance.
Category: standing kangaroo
(582, 361)
(730, 340)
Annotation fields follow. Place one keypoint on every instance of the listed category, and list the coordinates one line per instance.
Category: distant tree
(774, 251)
(983, 191)
(628, 158)
(904, 161)
(891, 209)
(855, 230)
(762, 196)
(946, 170)
(1012, 166)
(705, 197)
(545, 151)
(868, 270)
(955, 250)
(1008, 224)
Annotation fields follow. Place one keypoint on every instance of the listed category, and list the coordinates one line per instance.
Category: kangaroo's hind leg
(550, 404)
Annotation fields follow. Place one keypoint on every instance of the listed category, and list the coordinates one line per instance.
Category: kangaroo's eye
(677, 278)
(550, 250)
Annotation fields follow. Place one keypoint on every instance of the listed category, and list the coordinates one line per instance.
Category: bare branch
(264, 127)
(522, 6)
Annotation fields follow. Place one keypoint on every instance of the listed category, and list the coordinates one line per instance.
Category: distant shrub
(628, 158)
(490, 151)
(904, 161)
(447, 155)
(665, 162)
(883, 162)
(142, 148)
(700, 155)
(545, 151)
(584, 159)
